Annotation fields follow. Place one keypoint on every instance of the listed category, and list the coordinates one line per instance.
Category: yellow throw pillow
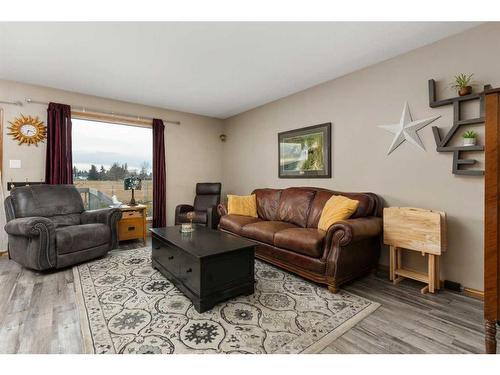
(242, 205)
(336, 208)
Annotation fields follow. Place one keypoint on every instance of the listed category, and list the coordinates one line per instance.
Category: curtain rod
(19, 103)
(85, 109)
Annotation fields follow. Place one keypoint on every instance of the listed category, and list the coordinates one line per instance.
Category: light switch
(15, 164)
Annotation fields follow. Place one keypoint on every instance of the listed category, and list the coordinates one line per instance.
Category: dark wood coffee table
(207, 265)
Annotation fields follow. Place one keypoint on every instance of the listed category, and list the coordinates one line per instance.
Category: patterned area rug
(128, 307)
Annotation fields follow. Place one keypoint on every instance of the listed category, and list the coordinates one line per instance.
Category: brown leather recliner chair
(205, 206)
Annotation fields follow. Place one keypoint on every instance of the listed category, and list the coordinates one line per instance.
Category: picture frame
(305, 152)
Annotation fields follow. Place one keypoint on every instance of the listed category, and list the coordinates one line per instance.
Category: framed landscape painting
(305, 152)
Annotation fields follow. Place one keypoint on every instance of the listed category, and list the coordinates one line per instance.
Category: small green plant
(469, 134)
(461, 81)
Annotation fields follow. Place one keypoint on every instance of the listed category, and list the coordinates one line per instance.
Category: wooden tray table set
(419, 230)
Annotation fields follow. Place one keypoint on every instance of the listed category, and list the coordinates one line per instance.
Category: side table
(133, 224)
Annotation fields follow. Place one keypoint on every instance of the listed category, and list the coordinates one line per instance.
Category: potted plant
(469, 138)
(463, 84)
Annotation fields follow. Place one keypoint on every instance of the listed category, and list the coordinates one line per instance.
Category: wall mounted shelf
(442, 143)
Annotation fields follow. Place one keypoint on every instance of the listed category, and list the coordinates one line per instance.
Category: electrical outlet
(14, 164)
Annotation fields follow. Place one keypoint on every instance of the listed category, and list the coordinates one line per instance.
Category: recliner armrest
(30, 226)
(107, 216)
(37, 251)
(102, 215)
(180, 209)
(212, 217)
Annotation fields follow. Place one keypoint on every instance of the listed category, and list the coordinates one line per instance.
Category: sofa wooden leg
(333, 288)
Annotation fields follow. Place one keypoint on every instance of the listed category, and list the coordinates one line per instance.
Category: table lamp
(132, 183)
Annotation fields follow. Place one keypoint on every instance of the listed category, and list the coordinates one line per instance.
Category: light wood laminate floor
(38, 315)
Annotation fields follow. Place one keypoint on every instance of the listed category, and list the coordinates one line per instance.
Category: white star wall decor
(407, 129)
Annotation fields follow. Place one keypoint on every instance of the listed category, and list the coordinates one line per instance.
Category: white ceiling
(211, 68)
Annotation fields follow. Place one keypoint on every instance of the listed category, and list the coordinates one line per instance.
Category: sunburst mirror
(28, 129)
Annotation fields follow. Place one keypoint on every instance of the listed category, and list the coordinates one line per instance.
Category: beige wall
(355, 104)
(194, 150)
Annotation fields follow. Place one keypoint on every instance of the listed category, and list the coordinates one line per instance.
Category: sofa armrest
(30, 227)
(346, 231)
(352, 248)
(222, 209)
(107, 216)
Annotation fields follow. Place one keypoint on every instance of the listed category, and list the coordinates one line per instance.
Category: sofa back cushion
(268, 201)
(366, 205)
(295, 204)
(46, 200)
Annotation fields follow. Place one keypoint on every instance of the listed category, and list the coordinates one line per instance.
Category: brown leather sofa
(287, 235)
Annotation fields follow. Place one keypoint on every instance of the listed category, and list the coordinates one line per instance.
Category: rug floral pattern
(128, 307)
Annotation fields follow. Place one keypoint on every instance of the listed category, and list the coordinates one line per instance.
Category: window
(104, 154)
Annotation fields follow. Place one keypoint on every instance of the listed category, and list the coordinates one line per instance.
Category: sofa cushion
(294, 205)
(235, 223)
(365, 208)
(80, 237)
(245, 205)
(268, 201)
(307, 241)
(336, 208)
(264, 230)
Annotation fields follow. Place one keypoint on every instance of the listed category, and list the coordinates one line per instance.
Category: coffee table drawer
(168, 256)
(225, 271)
(190, 272)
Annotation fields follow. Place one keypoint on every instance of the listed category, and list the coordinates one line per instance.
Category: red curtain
(159, 175)
(58, 162)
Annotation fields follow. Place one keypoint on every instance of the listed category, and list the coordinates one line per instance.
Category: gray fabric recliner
(49, 228)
